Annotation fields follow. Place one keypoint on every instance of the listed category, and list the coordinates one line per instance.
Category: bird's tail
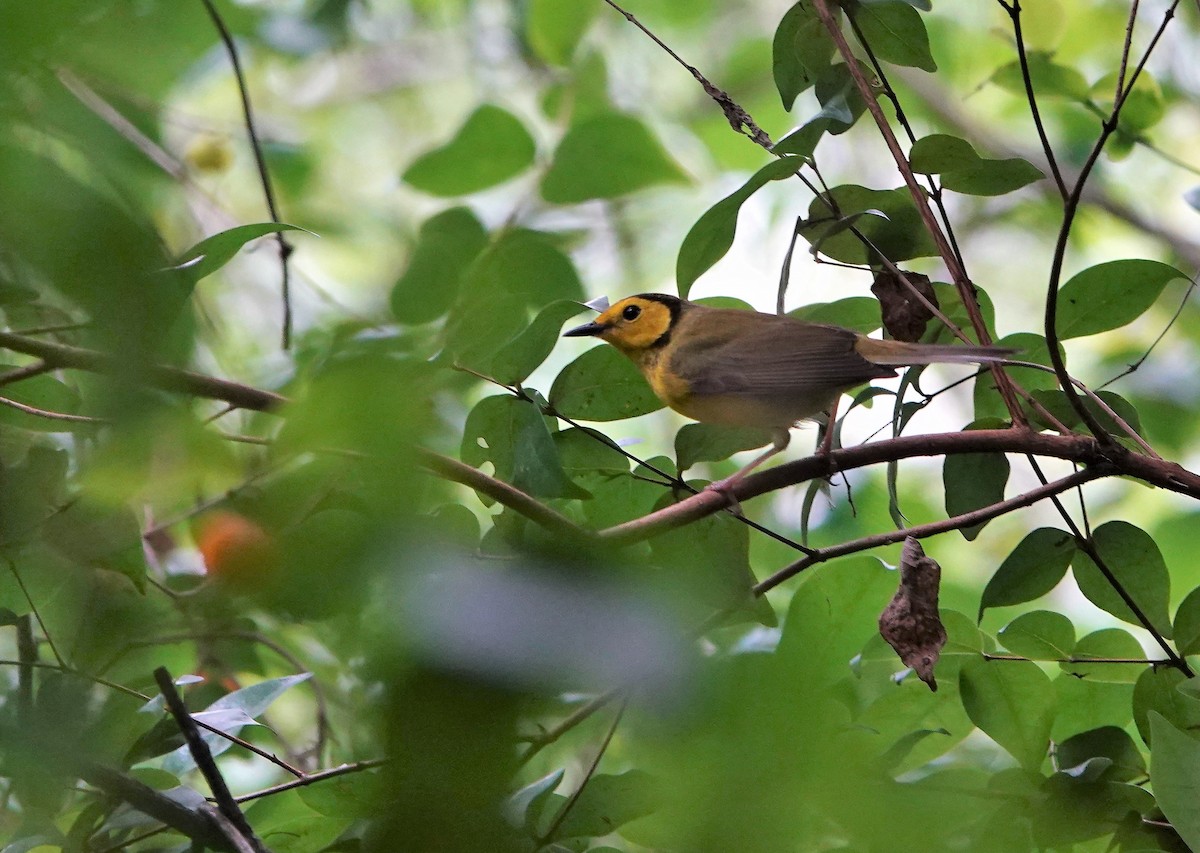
(903, 354)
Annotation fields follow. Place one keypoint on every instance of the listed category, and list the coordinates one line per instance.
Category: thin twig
(264, 175)
(37, 368)
(51, 416)
(580, 714)
(12, 567)
(313, 778)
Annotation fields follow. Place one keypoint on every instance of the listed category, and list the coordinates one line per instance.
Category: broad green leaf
(1175, 775)
(584, 450)
(841, 105)
(1143, 107)
(1049, 78)
(212, 253)
(1108, 645)
(1056, 403)
(1187, 624)
(973, 481)
(1158, 691)
(608, 156)
(1085, 704)
(896, 34)
(964, 171)
(1135, 561)
(608, 802)
(712, 443)
(801, 50)
(522, 355)
(553, 28)
(1109, 742)
(710, 238)
(620, 498)
(833, 613)
(491, 147)
(513, 436)
(249, 702)
(602, 385)
(1031, 570)
(860, 313)
(893, 227)
(1109, 295)
(287, 825)
(1039, 635)
(354, 795)
(1013, 703)
(45, 393)
(98, 536)
(447, 245)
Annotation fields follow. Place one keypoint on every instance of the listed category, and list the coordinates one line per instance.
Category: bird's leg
(779, 443)
(826, 444)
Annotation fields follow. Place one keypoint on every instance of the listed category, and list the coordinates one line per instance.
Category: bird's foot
(725, 489)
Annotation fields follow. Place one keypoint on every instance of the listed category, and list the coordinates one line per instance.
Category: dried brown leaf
(910, 623)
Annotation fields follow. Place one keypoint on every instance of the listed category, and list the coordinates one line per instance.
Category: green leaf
(610, 801)
(964, 171)
(801, 50)
(212, 253)
(354, 795)
(1039, 635)
(491, 147)
(1107, 644)
(841, 105)
(99, 536)
(894, 227)
(973, 481)
(712, 443)
(553, 28)
(447, 245)
(1187, 624)
(512, 435)
(1175, 776)
(1049, 78)
(1056, 403)
(860, 313)
(602, 385)
(1031, 570)
(249, 702)
(710, 238)
(1135, 561)
(833, 613)
(896, 34)
(522, 355)
(1143, 106)
(523, 807)
(1109, 295)
(608, 156)
(1013, 703)
(1158, 691)
(45, 393)
(1109, 742)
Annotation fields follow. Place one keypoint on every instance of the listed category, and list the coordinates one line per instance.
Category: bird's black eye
(631, 312)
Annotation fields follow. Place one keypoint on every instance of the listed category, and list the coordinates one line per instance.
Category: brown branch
(313, 778)
(924, 531)
(1076, 448)
(37, 368)
(501, 492)
(167, 378)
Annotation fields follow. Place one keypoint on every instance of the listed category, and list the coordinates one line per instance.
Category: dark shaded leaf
(610, 801)
(973, 481)
(801, 50)
(1135, 561)
(1031, 570)
(898, 233)
(712, 443)
(513, 436)
(1115, 744)
(522, 355)
(1158, 691)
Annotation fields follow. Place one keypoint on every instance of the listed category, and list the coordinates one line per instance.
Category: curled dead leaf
(910, 623)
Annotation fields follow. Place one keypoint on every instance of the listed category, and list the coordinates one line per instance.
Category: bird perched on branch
(747, 369)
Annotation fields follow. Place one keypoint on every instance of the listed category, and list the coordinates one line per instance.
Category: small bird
(747, 369)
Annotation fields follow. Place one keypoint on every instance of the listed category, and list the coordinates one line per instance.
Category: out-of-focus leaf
(553, 28)
(513, 436)
(582, 168)
(1049, 78)
(1135, 561)
(1109, 742)
(801, 50)
(896, 34)
(602, 385)
(212, 253)
(100, 537)
(610, 801)
(964, 171)
(522, 355)
(841, 105)
(710, 238)
(45, 393)
(491, 147)
(446, 247)
(1158, 690)
(1013, 703)
(352, 795)
(1109, 295)
(524, 806)
(1031, 570)
(1039, 635)
(860, 313)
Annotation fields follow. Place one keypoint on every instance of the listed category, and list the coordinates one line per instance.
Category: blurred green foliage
(431, 667)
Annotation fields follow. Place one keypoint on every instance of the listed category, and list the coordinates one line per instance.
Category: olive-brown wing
(758, 355)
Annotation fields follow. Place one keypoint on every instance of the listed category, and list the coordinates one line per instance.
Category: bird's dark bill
(584, 331)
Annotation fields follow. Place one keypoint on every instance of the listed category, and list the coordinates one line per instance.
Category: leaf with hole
(512, 434)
